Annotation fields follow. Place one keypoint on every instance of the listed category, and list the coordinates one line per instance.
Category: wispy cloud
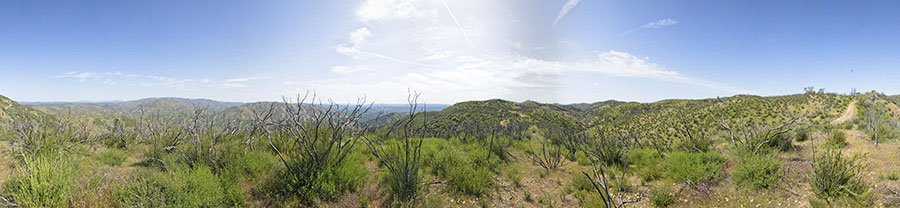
(652, 25)
(565, 10)
(660, 23)
(118, 77)
(163, 81)
(421, 49)
(238, 82)
(80, 76)
(358, 37)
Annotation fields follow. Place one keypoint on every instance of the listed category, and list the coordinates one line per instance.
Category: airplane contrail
(457, 24)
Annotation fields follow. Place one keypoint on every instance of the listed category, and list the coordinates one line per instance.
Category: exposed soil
(848, 114)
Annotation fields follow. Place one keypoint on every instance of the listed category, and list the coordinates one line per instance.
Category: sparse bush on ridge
(836, 139)
(112, 157)
(757, 170)
(694, 167)
(662, 197)
(837, 177)
(648, 164)
(180, 187)
(802, 135)
(44, 182)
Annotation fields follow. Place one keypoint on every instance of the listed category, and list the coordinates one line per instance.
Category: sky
(554, 51)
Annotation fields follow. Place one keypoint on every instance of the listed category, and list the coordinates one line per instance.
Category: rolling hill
(8, 108)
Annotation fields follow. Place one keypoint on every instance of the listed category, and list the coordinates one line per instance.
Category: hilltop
(8, 107)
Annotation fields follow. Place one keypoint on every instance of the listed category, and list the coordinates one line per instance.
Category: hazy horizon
(561, 51)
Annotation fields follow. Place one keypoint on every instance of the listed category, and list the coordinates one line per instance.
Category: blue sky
(562, 51)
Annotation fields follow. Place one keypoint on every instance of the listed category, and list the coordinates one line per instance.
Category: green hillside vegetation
(10, 109)
(805, 150)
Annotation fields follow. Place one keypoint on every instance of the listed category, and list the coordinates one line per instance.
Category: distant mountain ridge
(450, 118)
(213, 104)
(106, 112)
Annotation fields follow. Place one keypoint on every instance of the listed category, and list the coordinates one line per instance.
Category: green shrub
(47, 183)
(837, 139)
(802, 135)
(234, 194)
(581, 182)
(757, 171)
(693, 166)
(892, 175)
(112, 157)
(146, 188)
(643, 157)
(441, 159)
(514, 173)
(308, 185)
(466, 166)
(182, 187)
(590, 199)
(698, 142)
(662, 197)
(471, 181)
(582, 159)
(648, 164)
(611, 151)
(884, 133)
(198, 187)
(782, 142)
(835, 176)
(255, 163)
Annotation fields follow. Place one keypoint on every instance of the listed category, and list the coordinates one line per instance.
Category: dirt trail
(848, 114)
(879, 160)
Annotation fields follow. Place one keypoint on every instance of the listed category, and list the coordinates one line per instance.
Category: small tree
(313, 142)
(754, 135)
(596, 151)
(403, 159)
(550, 156)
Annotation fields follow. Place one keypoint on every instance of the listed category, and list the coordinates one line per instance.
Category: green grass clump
(802, 135)
(581, 182)
(647, 163)
(892, 175)
(782, 142)
(582, 159)
(308, 185)
(514, 173)
(256, 163)
(112, 157)
(46, 183)
(757, 171)
(467, 166)
(694, 166)
(198, 187)
(471, 181)
(837, 139)
(181, 187)
(838, 177)
(662, 197)
(145, 188)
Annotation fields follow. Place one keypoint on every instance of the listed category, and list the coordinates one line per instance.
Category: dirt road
(848, 114)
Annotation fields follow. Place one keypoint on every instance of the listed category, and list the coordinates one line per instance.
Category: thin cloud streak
(565, 10)
(457, 24)
(652, 25)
